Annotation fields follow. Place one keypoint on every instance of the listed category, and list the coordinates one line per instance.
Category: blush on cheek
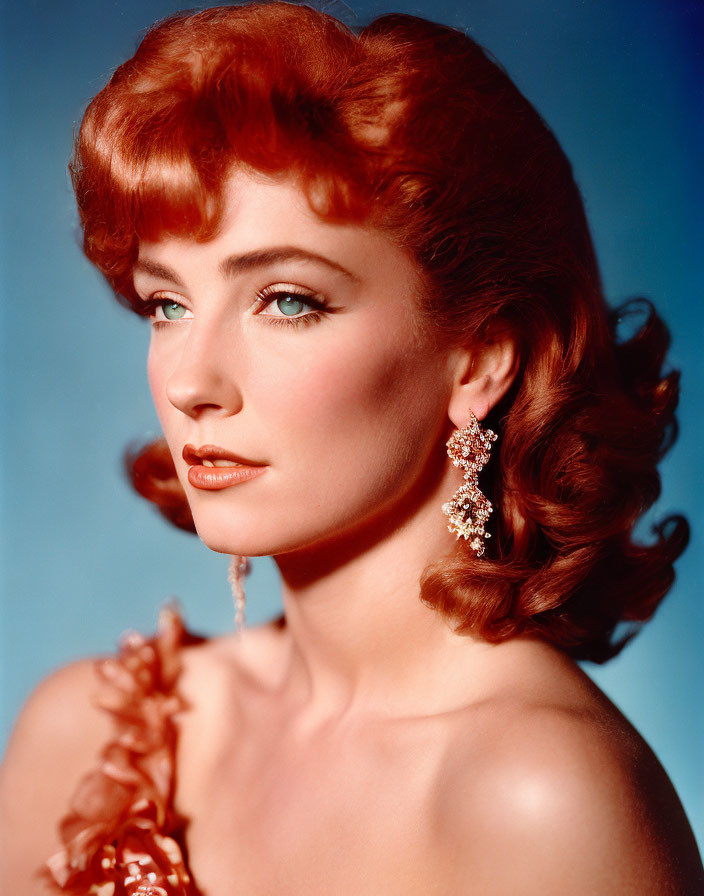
(398, 382)
(387, 398)
(379, 370)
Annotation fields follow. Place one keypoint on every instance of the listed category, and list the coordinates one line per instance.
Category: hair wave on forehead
(203, 93)
(410, 126)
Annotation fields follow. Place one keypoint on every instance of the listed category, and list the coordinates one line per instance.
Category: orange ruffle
(121, 834)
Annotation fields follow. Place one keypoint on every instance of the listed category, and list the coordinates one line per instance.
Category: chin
(263, 528)
(229, 541)
(253, 537)
(247, 538)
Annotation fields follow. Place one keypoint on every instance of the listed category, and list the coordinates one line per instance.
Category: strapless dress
(122, 835)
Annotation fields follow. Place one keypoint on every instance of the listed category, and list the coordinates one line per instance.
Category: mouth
(237, 470)
(214, 456)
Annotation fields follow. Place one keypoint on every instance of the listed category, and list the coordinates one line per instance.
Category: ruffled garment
(122, 836)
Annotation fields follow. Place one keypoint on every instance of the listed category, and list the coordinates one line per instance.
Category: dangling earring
(469, 508)
(237, 570)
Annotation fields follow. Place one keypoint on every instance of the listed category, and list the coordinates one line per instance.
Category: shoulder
(56, 740)
(567, 797)
(59, 727)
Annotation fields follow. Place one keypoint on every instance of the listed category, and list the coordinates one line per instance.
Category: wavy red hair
(409, 125)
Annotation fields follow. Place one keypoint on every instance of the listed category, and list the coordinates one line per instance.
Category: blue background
(83, 558)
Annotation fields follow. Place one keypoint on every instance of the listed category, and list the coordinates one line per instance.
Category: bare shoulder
(559, 793)
(57, 739)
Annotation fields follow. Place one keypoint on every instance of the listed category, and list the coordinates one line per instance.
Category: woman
(363, 258)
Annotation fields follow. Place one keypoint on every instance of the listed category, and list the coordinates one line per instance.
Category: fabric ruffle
(121, 835)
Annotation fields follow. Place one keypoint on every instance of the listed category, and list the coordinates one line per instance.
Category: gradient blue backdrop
(83, 558)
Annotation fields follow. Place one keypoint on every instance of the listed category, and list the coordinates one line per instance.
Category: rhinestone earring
(237, 570)
(469, 509)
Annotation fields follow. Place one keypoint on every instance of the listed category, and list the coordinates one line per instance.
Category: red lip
(216, 478)
(195, 456)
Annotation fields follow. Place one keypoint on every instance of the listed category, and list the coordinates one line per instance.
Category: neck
(360, 637)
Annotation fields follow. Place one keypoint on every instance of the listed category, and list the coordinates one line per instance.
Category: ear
(481, 378)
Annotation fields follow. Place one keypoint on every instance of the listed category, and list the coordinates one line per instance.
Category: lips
(195, 456)
(233, 469)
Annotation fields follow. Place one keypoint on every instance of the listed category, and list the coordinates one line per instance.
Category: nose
(205, 374)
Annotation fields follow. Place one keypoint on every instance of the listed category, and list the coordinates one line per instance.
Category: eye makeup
(290, 294)
(274, 294)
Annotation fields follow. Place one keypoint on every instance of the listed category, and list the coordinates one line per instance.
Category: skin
(362, 747)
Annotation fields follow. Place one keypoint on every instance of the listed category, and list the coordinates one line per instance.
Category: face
(293, 343)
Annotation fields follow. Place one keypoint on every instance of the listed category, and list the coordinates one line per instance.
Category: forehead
(261, 212)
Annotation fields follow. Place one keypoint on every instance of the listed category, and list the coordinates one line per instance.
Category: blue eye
(290, 305)
(172, 310)
(284, 304)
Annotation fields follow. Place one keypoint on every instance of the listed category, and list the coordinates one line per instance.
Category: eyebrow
(156, 270)
(238, 264)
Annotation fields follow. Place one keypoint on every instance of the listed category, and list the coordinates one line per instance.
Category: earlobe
(482, 377)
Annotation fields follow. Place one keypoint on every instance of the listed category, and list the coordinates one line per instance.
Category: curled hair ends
(150, 470)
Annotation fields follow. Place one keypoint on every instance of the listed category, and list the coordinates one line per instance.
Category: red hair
(409, 125)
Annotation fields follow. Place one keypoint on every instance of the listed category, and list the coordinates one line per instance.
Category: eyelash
(269, 295)
(264, 298)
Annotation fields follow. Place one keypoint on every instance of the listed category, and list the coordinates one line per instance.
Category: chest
(349, 813)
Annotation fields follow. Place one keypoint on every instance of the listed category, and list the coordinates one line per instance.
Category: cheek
(329, 384)
(360, 405)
